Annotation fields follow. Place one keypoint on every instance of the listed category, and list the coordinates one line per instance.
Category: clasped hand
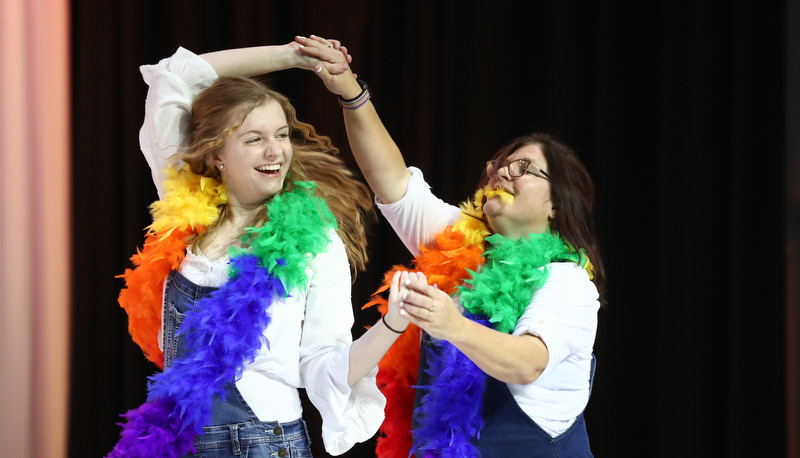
(426, 306)
(333, 64)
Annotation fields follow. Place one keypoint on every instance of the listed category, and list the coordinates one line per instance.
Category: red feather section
(144, 284)
(397, 372)
(445, 266)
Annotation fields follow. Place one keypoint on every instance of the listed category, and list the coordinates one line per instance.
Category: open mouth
(270, 169)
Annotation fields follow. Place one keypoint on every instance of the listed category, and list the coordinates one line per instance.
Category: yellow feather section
(505, 197)
(474, 230)
(472, 224)
(190, 201)
(589, 269)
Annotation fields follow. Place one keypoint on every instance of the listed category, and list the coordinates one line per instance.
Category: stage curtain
(35, 211)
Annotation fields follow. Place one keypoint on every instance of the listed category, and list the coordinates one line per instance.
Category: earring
(553, 213)
(221, 166)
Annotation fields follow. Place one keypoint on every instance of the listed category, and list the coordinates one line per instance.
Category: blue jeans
(508, 430)
(234, 431)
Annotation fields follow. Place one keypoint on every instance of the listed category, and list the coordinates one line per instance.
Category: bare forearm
(508, 358)
(251, 61)
(376, 153)
(367, 351)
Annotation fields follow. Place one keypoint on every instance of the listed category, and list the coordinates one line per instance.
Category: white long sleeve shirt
(310, 331)
(563, 313)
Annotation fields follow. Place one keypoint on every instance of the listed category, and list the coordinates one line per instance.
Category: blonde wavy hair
(315, 158)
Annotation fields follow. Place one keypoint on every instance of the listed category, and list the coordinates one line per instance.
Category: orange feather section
(446, 265)
(142, 296)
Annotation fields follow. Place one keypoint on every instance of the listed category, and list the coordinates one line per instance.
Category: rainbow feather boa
(450, 413)
(222, 332)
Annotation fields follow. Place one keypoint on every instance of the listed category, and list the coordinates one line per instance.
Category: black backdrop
(676, 108)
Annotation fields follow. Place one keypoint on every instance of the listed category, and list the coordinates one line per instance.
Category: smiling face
(531, 208)
(255, 159)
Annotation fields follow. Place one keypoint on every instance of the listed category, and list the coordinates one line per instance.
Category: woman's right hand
(393, 317)
(376, 153)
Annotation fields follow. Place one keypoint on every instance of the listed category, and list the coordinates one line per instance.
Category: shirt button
(278, 431)
(283, 452)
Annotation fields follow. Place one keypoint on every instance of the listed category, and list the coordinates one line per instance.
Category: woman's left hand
(430, 308)
(333, 67)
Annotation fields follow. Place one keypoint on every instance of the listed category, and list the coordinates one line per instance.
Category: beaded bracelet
(383, 318)
(357, 101)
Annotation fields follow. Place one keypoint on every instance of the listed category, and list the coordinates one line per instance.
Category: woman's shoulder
(331, 263)
(568, 270)
(569, 282)
(334, 245)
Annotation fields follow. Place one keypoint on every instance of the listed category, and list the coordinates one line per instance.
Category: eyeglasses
(516, 168)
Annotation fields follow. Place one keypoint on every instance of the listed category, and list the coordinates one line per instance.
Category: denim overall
(235, 430)
(508, 430)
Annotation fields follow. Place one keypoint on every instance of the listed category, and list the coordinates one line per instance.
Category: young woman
(242, 288)
(506, 292)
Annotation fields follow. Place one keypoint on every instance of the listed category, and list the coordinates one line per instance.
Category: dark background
(680, 110)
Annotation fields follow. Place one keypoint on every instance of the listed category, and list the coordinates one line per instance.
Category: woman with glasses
(505, 289)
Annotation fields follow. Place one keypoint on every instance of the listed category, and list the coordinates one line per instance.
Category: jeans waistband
(253, 432)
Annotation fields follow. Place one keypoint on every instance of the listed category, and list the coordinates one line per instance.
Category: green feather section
(513, 270)
(294, 232)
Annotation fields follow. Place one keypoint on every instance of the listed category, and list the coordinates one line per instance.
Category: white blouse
(310, 332)
(563, 313)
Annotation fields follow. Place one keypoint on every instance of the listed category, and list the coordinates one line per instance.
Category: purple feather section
(222, 333)
(152, 424)
(450, 415)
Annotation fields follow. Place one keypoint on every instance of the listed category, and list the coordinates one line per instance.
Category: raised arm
(258, 60)
(377, 155)
(175, 81)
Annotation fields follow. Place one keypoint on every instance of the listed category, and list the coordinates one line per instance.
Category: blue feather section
(226, 331)
(450, 415)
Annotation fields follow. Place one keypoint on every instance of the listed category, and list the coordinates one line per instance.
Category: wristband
(357, 101)
(383, 318)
